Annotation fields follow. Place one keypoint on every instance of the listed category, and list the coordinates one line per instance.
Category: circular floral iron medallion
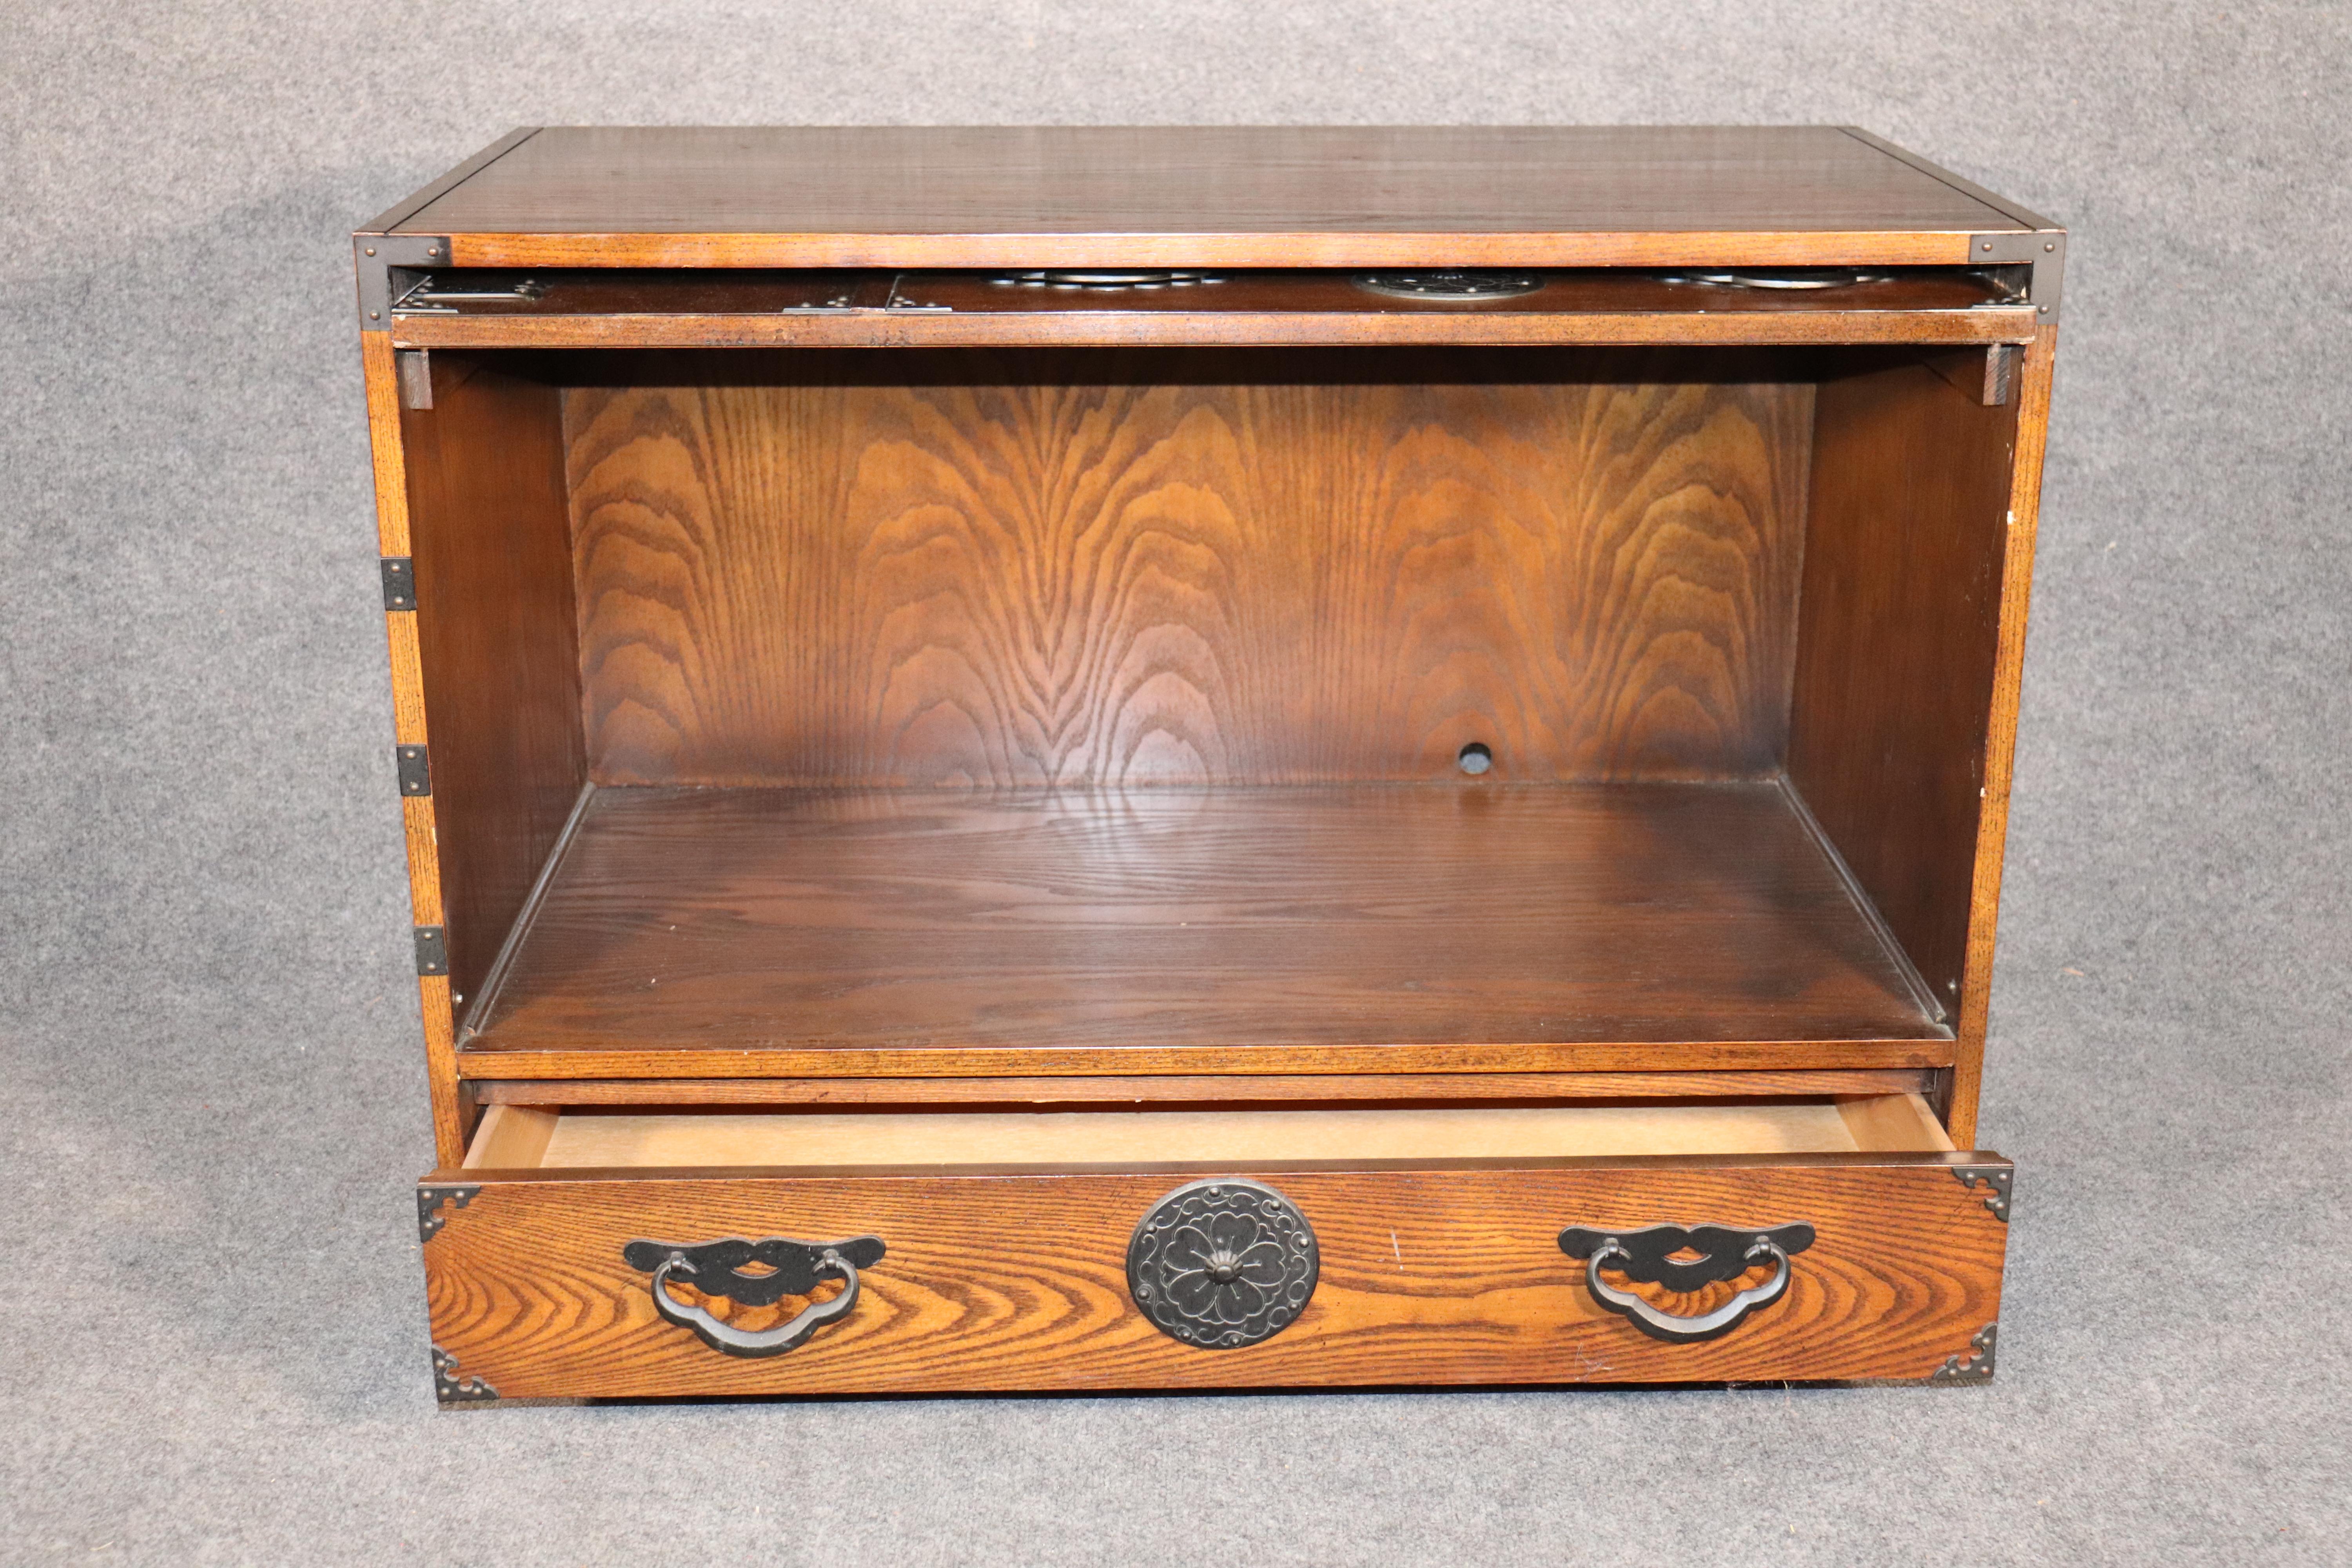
(1223, 1263)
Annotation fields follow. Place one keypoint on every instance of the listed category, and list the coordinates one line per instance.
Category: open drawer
(583, 1253)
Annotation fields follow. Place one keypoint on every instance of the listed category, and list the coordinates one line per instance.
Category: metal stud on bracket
(399, 582)
(435, 1203)
(2042, 252)
(378, 257)
(416, 770)
(450, 1388)
(1998, 1180)
(1976, 1368)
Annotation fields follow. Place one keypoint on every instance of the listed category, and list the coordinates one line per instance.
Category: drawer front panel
(1449, 1275)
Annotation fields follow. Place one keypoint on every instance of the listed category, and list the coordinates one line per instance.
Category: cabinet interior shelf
(1345, 927)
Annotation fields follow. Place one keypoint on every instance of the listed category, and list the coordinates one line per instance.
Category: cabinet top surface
(1279, 197)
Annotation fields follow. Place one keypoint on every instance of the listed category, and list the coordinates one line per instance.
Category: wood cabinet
(1167, 758)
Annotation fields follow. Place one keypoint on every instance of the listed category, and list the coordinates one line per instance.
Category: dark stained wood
(1230, 1090)
(384, 221)
(2024, 216)
(2000, 729)
(496, 637)
(1431, 1273)
(1899, 639)
(1062, 568)
(1231, 196)
(900, 932)
(768, 308)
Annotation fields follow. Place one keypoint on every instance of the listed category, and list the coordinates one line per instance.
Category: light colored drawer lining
(513, 1137)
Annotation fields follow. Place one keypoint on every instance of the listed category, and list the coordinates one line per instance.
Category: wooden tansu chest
(1128, 759)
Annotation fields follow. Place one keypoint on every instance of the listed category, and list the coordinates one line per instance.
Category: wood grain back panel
(1121, 568)
(1428, 1275)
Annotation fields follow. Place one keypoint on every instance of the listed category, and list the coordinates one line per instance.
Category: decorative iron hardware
(1645, 1256)
(1451, 283)
(1976, 1368)
(416, 770)
(399, 582)
(715, 1269)
(387, 265)
(431, 949)
(451, 1389)
(430, 1202)
(2037, 256)
(1997, 1179)
(1223, 1263)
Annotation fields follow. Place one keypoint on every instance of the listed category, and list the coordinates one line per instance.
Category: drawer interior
(514, 1137)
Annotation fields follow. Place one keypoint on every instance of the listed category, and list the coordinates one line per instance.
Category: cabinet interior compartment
(872, 711)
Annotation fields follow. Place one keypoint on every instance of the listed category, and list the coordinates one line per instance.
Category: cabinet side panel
(1042, 568)
(1899, 635)
(2000, 745)
(497, 642)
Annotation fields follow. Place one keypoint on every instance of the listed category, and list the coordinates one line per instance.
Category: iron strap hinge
(431, 949)
(416, 770)
(2038, 258)
(399, 582)
(388, 265)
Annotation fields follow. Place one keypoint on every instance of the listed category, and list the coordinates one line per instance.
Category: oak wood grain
(1287, 929)
(1233, 1088)
(1067, 568)
(1233, 196)
(1434, 1274)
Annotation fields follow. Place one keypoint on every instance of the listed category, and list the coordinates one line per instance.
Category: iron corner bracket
(435, 1203)
(2036, 260)
(1997, 1181)
(387, 264)
(449, 1388)
(1976, 1367)
(431, 949)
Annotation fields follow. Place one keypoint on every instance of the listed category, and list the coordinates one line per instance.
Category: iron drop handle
(788, 1268)
(1647, 1257)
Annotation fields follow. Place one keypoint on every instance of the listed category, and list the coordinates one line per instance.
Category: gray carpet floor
(213, 1337)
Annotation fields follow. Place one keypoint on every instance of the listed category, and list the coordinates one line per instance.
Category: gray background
(213, 1330)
